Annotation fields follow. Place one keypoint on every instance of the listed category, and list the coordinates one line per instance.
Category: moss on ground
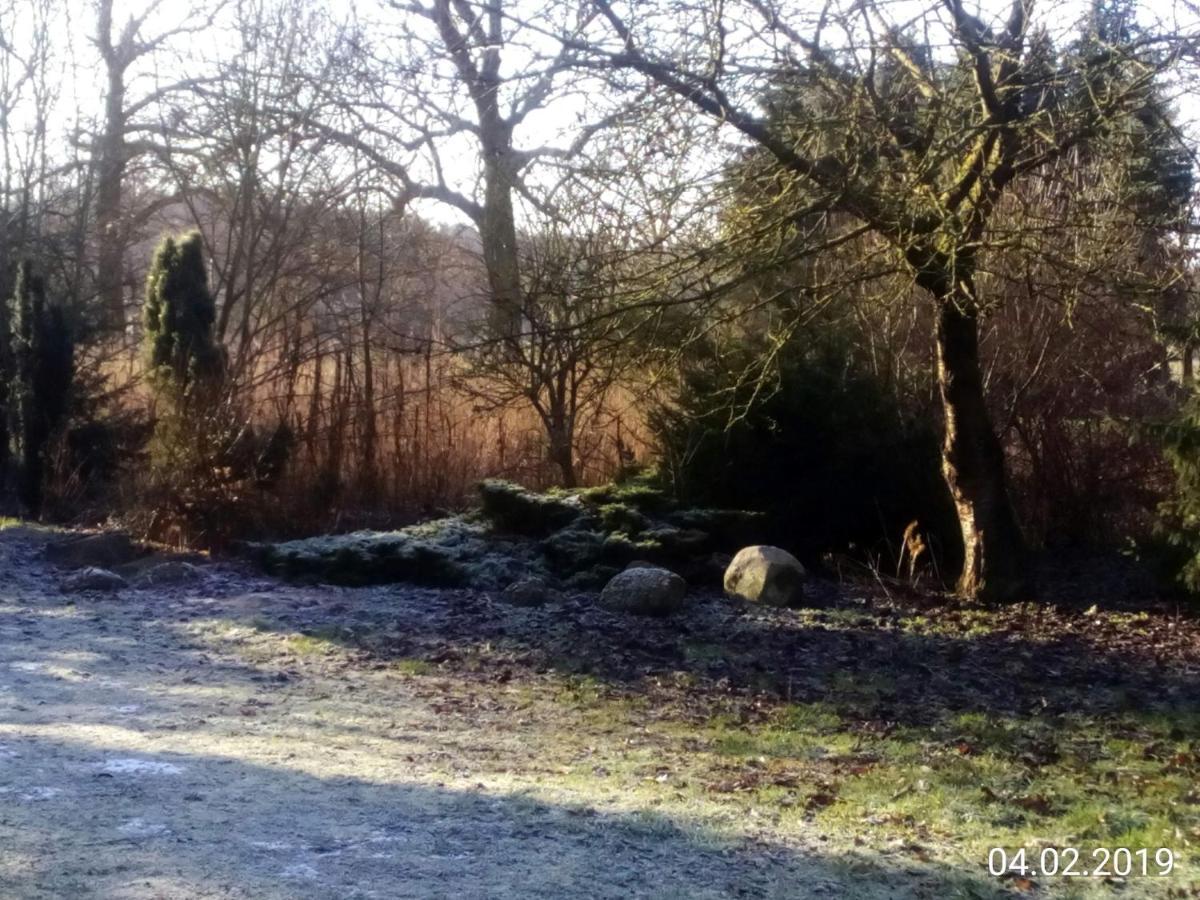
(511, 508)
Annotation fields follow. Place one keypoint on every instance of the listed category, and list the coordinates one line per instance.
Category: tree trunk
(972, 456)
(564, 458)
(110, 175)
(498, 235)
(562, 453)
(109, 226)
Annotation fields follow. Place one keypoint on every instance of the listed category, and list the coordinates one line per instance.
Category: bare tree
(580, 338)
(126, 131)
(438, 105)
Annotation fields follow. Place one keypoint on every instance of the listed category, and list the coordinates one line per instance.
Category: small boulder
(105, 550)
(767, 575)
(167, 573)
(646, 591)
(94, 579)
(527, 592)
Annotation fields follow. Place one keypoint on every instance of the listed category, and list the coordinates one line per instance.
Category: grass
(922, 738)
(947, 794)
(413, 666)
(981, 783)
(944, 791)
(317, 642)
(947, 790)
(955, 790)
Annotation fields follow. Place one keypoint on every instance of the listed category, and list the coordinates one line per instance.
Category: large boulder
(767, 575)
(107, 550)
(94, 579)
(647, 591)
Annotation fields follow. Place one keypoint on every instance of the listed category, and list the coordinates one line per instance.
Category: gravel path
(150, 748)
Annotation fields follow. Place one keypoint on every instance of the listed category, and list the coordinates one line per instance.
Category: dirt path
(189, 742)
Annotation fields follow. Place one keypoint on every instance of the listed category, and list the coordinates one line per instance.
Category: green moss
(728, 529)
(413, 666)
(574, 549)
(319, 643)
(622, 517)
(642, 494)
(678, 543)
(511, 508)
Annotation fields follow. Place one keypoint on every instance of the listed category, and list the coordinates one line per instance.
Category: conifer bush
(811, 441)
(184, 360)
(194, 427)
(207, 459)
(1179, 517)
(39, 370)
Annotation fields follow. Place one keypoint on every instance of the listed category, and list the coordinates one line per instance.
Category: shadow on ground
(89, 690)
(891, 659)
(97, 819)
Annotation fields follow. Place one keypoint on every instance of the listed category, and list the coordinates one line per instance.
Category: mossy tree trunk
(972, 455)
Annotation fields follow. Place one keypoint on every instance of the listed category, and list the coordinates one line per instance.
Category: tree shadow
(194, 825)
(892, 660)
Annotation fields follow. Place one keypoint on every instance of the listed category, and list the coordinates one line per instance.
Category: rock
(527, 592)
(167, 573)
(641, 564)
(645, 591)
(767, 575)
(105, 550)
(94, 579)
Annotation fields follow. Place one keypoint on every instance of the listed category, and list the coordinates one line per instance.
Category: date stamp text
(1075, 862)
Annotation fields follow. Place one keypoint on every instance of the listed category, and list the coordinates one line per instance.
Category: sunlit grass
(320, 642)
(413, 666)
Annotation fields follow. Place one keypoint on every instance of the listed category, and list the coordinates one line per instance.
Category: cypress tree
(41, 364)
(178, 319)
(186, 367)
